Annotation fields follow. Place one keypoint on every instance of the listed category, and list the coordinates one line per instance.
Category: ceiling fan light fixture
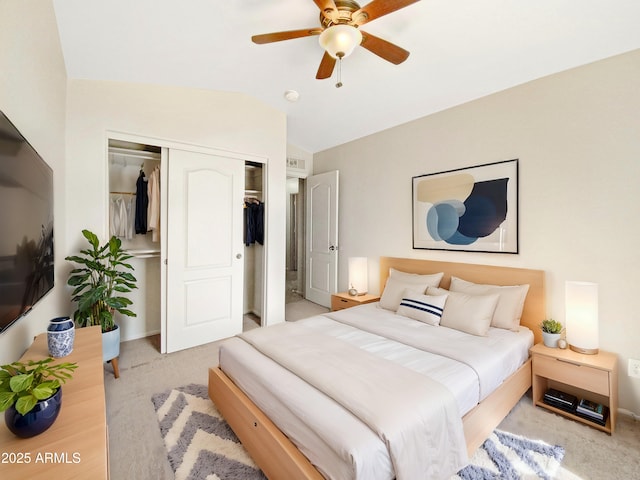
(340, 40)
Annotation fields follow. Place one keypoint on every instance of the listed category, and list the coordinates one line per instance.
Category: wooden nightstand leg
(116, 369)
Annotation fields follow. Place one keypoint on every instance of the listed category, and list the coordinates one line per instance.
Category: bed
(280, 457)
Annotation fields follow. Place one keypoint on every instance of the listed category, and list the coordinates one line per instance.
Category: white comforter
(479, 353)
(414, 415)
(340, 445)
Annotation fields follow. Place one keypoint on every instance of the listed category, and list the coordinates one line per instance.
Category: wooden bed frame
(279, 458)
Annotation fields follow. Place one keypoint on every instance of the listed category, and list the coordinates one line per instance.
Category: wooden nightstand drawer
(340, 301)
(580, 376)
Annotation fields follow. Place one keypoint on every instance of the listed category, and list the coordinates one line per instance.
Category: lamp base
(585, 351)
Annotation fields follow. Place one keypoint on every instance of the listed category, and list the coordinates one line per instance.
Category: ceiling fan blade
(377, 9)
(326, 5)
(288, 35)
(387, 50)
(326, 67)
(328, 9)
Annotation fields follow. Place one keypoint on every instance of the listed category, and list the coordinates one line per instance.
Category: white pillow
(509, 309)
(424, 308)
(398, 282)
(467, 313)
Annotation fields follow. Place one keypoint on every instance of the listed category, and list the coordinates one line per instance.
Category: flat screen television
(26, 225)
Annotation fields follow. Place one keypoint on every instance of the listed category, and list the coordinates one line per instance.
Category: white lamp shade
(358, 274)
(340, 40)
(581, 309)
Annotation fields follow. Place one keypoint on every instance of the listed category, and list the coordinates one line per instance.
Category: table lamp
(358, 276)
(581, 306)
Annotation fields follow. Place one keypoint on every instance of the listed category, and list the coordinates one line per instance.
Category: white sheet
(412, 414)
(344, 447)
(493, 357)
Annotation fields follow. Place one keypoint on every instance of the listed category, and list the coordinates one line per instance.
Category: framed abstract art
(472, 209)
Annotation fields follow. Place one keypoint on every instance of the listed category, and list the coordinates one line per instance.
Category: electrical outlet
(634, 368)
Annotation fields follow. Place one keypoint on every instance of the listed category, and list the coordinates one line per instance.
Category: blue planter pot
(61, 334)
(60, 324)
(37, 420)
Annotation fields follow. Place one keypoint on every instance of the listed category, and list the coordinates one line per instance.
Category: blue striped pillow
(424, 308)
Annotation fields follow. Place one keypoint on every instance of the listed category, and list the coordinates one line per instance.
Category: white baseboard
(629, 413)
(139, 335)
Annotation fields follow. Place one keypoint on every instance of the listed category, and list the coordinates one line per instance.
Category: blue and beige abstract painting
(464, 210)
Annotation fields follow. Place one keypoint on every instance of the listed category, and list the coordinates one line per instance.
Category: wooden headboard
(534, 306)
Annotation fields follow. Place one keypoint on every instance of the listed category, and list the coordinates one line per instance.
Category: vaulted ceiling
(460, 50)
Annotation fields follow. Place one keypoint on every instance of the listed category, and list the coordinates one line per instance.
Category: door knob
(238, 256)
(333, 248)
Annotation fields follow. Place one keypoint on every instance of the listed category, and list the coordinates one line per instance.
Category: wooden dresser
(76, 445)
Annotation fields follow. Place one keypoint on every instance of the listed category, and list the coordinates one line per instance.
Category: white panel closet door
(322, 237)
(204, 248)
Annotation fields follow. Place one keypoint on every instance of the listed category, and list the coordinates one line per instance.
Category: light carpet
(200, 445)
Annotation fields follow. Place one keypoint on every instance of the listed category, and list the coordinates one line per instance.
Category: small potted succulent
(551, 332)
(30, 394)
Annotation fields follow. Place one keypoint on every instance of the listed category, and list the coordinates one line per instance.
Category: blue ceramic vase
(61, 333)
(40, 418)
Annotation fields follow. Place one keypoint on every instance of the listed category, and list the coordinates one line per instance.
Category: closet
(253, 241)
(199, 272)
(128, 163)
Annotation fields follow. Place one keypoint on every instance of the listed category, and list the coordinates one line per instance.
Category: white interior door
(322, 237)
(204, 248)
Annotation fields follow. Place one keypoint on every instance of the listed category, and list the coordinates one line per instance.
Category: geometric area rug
(512, 457)
(201, 446)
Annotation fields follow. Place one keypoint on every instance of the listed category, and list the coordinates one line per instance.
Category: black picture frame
(472, 209)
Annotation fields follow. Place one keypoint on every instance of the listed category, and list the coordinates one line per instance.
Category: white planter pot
(551, 339)
(111, 344)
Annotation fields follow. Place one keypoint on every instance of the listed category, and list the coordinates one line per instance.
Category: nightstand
(342, 300)
(594, 377)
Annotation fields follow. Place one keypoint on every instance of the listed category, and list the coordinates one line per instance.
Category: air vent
(296, 163)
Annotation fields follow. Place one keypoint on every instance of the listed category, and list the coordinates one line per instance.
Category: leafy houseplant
(24, 384)
(102, 275)
(551, 326)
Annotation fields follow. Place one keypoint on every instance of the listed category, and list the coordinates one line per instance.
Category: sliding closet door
(204, 248)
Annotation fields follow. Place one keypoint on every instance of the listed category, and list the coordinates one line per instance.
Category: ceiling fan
(340, 32)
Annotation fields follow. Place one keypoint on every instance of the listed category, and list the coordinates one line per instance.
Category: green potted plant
(551, 332)
(99, 281)
(30, 394)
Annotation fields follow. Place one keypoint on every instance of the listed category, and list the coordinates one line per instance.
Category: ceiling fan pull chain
(339, 82)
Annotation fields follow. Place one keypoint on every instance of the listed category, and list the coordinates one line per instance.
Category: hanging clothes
(253, 222)
(142, 204)
(153, 213)
(121, 216)
(130, 220)
(113, 215)
(260, 223)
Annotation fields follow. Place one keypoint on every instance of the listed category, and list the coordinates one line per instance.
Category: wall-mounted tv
(26, 225)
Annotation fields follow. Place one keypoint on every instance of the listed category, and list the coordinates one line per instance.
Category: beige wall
(33, 95)
(226, 122)
(576, 135)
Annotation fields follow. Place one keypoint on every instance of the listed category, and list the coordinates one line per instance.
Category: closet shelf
(144, 253)
(131, 153)
(122, 193)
